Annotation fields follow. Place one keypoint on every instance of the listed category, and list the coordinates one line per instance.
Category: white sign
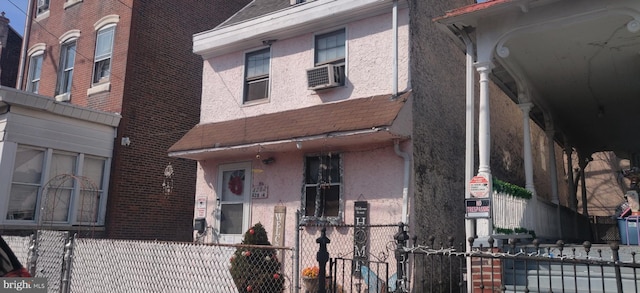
(479, 187)
(201, 207)
(478, 208)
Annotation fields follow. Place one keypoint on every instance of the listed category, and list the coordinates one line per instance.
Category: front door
(232, 215)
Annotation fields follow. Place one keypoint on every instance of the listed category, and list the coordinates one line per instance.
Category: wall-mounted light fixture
(268, 160)
(268, 42)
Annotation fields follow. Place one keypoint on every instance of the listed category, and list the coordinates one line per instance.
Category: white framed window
(330, 49)
(67, 60)
(26, 184)
(234, 196)
(323, 190)
(35, 69)
(57, 187)
(42, 6)
(256, 81)
(103, 54)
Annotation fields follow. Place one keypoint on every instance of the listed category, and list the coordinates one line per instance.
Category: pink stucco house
(305, 107)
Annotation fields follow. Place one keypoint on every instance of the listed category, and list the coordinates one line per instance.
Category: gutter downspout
(25, 44)
(405, 183)
(395, 48)
(470, 224)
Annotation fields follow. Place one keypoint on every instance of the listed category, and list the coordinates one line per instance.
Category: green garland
(510, 189)
(507, 231)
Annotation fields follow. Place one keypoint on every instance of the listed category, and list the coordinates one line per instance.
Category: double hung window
(35, 69)
(256, 85)
(323, 188)
(103, 53)
(42, 6)
(67, 60)
(330, 49)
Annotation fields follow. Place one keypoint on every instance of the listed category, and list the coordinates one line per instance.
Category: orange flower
(311, 272)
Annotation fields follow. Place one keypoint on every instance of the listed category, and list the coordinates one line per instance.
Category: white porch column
(553, 171)
(573, 201)
(528, 156)
(484, 226)
(484, 122)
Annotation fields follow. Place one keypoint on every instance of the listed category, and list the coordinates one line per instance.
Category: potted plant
(256, 269)
(310, 278)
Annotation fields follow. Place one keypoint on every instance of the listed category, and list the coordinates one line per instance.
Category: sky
(15, 11)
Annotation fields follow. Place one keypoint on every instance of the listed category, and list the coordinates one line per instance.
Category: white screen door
(234, 189)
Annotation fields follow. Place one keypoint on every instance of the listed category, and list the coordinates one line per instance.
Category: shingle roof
(349, 115)
(257, 8)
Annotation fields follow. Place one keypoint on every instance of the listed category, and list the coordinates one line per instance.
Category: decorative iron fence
(532, 267)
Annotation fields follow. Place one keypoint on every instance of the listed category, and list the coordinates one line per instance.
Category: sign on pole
(478, 208)
(479, 187)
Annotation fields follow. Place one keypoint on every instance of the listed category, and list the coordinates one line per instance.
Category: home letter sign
(360, 235)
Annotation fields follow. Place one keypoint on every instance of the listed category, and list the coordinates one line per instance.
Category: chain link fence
(72, 264)
(375, 250)
(106, 265)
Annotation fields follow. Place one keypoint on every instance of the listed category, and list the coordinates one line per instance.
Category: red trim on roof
(471, 8)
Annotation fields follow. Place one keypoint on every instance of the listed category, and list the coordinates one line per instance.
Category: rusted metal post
(615, 251)
(401, 257)
(322, 257)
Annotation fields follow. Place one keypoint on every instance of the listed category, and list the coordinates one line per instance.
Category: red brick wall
(156, 84)
(161, 102)
(83, 16)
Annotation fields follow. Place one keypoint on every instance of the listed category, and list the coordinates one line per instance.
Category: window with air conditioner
(256, 81)
(329, 54)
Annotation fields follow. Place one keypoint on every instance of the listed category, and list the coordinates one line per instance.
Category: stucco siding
(368, 71)
(374, 175)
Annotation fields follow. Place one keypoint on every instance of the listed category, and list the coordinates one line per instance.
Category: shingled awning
(363, 120)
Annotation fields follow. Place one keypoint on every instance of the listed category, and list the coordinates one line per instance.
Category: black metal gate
(349, 275)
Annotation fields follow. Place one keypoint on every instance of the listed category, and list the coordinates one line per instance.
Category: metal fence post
(615, 247)
(401, 257)
(296, 255)
(33, 254)
(66, 265)
(322, 257)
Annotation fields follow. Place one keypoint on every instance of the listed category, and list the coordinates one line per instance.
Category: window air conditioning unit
(63, 97)
(323, 77)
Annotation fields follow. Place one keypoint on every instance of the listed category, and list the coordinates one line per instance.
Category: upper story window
(57, 186)
(256, 81)
(35, 69)
(330, 51)
(330, 48)
(323, 188)
(103, 54)
(67, 60)
(69, 3)
(42, 6)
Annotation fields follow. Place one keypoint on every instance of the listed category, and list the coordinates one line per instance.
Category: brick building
(132, 58)
(10, 42)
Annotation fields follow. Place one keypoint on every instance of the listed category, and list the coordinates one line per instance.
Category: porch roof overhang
(359, 123)
(578, 63)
